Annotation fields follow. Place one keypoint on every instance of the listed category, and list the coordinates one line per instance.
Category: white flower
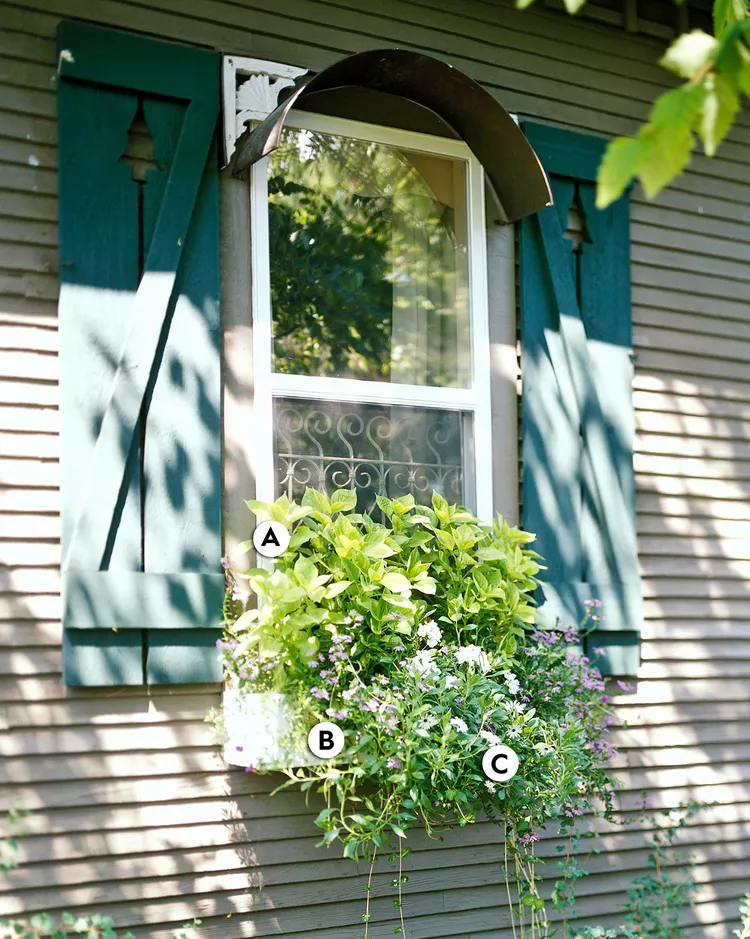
(472, 655)
(490, 785)
(421, 664)
(543, 749)
(450, 681)
(428, 721)
(511, 682)
(490, 738)
(459, 724)
(431, 631)
(514, 731)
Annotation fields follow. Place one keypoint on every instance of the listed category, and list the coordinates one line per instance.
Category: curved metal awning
(472, 114)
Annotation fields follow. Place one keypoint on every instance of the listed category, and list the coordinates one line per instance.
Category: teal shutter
(139, 359)
(577, 409)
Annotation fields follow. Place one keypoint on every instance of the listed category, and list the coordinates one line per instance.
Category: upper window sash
(474, 400)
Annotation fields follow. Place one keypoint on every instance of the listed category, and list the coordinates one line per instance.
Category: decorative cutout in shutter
(579, 491)
(140, 364)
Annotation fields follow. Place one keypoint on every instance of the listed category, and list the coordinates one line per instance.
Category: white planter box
(258, 732)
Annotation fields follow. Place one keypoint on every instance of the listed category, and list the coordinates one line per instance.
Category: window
(370, 338)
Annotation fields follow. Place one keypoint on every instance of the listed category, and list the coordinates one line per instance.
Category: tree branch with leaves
(716, 75)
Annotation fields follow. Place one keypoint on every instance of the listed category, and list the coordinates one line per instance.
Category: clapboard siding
(134, 808)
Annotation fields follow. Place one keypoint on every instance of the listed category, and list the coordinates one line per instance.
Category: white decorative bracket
(250, 90)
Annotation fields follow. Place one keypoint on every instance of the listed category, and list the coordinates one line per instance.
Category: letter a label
(271, 539)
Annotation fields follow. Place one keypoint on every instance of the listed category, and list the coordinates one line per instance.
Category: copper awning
(471, 113)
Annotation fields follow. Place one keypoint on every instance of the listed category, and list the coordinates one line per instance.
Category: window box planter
(260, 732)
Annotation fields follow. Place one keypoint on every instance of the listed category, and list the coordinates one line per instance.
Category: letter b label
(326, 740)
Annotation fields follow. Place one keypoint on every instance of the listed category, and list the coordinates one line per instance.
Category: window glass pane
(368, 261)
(375, 449)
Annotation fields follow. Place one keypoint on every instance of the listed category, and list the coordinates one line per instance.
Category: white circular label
(500, 763)
(326, 740)
(271, 539)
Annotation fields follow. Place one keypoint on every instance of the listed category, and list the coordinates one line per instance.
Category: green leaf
(445, 538)
(743, 79)
(573, 6)
(301, 536)
(385, 505)
(689, 53)
(343, 500)
(728, 12)
(335, 589)
(324, 814)
(438, 503)
(719, 111)
(375, 547)
(259, 509)
(425, 584)
(396, 582)
(660, 151)
(305, 571)
(317, 501)
(669, 136)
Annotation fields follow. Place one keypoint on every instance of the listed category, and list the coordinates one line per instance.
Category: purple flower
(624, 685)
(339, 715)
(226, 563)
(529, 838)
(250, 768)
(239, 749)
(393, 763)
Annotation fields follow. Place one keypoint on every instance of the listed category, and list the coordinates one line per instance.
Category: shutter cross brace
(151, 303)
(574, 377)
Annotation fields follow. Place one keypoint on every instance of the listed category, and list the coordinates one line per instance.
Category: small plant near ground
(65, 925)
(657, 898)
(744, 931)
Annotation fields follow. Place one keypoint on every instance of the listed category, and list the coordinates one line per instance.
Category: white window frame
(474, 400)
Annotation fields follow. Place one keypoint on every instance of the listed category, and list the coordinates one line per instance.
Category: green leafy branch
(716, 73)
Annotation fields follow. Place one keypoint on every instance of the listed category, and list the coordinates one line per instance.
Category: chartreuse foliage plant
(416, 636)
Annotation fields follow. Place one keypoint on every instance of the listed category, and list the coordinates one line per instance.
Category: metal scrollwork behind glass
(376, 450)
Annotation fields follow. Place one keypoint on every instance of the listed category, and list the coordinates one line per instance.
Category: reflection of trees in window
(368, 262)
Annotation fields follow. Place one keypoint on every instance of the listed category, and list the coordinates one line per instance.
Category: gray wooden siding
(133, 808)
